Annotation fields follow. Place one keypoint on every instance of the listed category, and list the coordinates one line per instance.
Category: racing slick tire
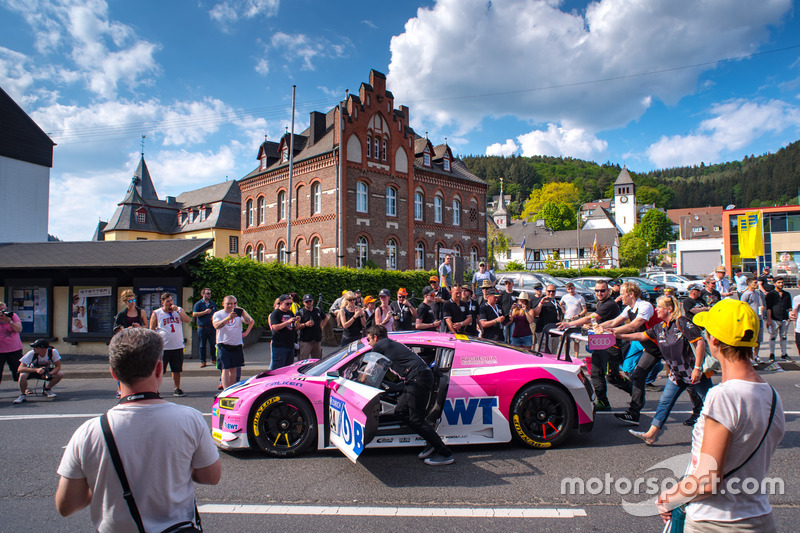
(282, 424)
(542, 415)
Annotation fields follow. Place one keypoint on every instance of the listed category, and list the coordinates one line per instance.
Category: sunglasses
(551, 292)
(601, 291)
(131, 301)
(401, 297)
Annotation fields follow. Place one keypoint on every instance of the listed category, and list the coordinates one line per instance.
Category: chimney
(316, 126)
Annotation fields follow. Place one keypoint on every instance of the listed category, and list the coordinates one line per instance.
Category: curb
(100, 373)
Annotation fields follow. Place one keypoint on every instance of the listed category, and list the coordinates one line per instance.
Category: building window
(473, 214)
(446, 164)
(362, 252)
(285, 154)
(717, 228)
(281, 252)
(383, 150)
(248, 251)
(369, 146)
(316, 248)
(233, 244)
(439, 255)
(249, 213)
(426, 157)
(419, 256)
(316, 198)
(361, 197)
(202, 210)
(260, 204)
(264, 162)
(282, 205)
(141, 217)
(260, 253)
(419, 205)
(457, 249)
(377, 147)
(698, 229)
(437, 209)
(391, 255)
(456, 212)
(473, 257)
(391, 201)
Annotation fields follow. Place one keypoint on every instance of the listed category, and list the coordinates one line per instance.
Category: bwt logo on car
(465, 409)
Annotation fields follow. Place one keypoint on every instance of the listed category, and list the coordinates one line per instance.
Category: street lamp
(578, 234)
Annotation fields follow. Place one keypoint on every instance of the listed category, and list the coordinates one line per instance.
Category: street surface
(498, 487)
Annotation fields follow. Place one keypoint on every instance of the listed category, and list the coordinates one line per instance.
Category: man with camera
(163, 450)
(228, 322)
(168, 321)
(43, 362)
(283, 323)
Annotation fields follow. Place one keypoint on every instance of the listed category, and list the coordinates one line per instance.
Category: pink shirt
(9, 339)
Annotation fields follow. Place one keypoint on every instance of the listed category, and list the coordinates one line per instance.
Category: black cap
(308, 298)
(538, 287)
(493, 292)
(283, 298)
(358, 291)
(427, 290)
(384, 292)
(41, 343)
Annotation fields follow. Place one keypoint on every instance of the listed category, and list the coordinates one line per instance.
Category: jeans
(507, 332)
(281, 356)
(527, 340)
(653, 375)
(779, 327)
(670, 395)
(207, 336)
(638, 378)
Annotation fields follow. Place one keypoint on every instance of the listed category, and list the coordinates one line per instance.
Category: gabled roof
(20, 137)
(102, 254)
(545, 239)
(624, 178)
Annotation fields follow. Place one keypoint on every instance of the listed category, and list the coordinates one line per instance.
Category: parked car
(680, 283)
(651, 290)
(524, 281)
(484, 392)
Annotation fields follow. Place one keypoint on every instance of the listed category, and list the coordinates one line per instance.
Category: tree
(551, 192)
(502, 246)
(557, 216)
(633, 251)
(655, 229)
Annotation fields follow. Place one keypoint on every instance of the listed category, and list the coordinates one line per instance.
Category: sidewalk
(256, 356)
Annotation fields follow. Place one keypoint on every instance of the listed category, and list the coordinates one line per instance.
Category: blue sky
(645, 83)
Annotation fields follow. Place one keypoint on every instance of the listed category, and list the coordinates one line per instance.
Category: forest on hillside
(769, 179)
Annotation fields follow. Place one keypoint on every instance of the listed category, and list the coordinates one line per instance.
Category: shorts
(310, 350)
(12, 359)
(230, 356)
(526, 340)
(173, 359)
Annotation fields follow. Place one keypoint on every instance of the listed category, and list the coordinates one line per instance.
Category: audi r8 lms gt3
(484, 392)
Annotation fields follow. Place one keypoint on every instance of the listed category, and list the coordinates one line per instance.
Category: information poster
(30, 305)
(93, 309)
(150, 298)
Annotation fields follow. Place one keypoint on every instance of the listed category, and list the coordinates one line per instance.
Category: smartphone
(238, 311)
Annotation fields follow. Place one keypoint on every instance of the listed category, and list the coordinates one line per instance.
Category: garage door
(701, 262)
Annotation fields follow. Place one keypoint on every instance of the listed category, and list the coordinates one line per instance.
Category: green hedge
(607, 273)
(257, 285)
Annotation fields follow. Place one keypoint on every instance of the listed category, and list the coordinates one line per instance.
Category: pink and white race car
(484, 392)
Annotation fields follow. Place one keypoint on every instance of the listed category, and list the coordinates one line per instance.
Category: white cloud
(178, 171)
(504, 150)
(308, 48)
(262, 67)
(105, 52)
(560, 141)
(228, 12)
(733, 126)
(532, 60)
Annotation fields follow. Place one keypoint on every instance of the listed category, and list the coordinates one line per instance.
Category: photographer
(43, 361)
(405, 314)
(283, 322)
(10, 343)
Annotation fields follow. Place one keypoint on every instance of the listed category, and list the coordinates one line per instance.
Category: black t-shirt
(354, 331)
(710, 298)
(673, 342)
(403, 319)
(425, 314)
(453, 311)
(506, 300)
(779, 305)
(284, 337)
(494, 332)
(314, 333)
(471, 308)
(689, 304)
(766, 282)
(444, 294)
(550, 313)
(607, 310)
(406, 363)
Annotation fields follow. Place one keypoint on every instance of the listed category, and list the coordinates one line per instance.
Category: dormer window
(180, 218)
(264, 162)
(285, 154)
(203, 213)
(141, 216)
(190, 216)
(426, 157)
(446, 164)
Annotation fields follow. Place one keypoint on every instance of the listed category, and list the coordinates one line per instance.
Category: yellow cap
(731, 321)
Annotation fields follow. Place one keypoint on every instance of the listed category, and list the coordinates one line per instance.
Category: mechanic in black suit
(413, 401)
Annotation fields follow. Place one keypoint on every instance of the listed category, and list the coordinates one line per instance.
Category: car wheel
(282, 425)
(542, 415)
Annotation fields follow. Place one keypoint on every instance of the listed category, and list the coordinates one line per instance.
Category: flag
(523, 243)
(594, 244)
(751, 234)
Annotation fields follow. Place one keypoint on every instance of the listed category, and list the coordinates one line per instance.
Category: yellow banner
(751, 234)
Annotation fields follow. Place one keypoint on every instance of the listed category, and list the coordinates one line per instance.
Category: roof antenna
(143, 137)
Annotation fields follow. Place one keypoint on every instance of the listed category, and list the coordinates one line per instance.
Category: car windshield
(550, 279)
(323, 365)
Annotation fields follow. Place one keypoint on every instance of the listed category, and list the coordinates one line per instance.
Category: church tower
(500, 214)
(624, 202)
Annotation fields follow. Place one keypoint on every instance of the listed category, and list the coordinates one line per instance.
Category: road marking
(439, 512)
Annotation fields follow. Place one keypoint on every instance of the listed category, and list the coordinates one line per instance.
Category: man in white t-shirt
(168, 321)
(482, 274)
(45, 363)
(164, 448)
(446, 272)
(230, 339)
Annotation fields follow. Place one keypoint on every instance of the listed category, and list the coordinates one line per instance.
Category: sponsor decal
(351, 431)
(601, 341)
(479, 360)
(286, 384)
(216, 435)
(214, 411)
(465, 409)
(384, 440)
(404, 439)
(523, 436)
(261, 408)
(230, 427)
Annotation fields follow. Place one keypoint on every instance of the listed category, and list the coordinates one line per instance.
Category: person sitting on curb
(45, 363)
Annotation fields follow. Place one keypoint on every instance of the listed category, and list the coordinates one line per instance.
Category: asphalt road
(498, 487)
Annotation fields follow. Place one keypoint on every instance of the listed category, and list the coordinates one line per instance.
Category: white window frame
(391, 254)
(261, 210)
(316, 252)
(250, 213)
(316, 198)
(282, 205)
(369, 147)
(282, 252)
(362, 197)
(391, 202)
(438, 208)
(456, 212)
(419, 256)
(446, 164)
(362, 252)
(260, 253)
(383, 150)
(419, 206)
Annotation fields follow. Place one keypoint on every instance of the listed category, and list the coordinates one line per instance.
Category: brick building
(402, 198)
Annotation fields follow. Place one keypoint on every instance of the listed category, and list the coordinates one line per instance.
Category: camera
(238, 311)
(9, 314)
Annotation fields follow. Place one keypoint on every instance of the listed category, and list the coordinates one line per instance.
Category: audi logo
(602, 341)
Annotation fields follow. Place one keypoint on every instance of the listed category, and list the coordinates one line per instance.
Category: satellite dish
(729, 207)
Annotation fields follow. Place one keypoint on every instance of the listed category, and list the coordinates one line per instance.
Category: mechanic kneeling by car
(413, 401)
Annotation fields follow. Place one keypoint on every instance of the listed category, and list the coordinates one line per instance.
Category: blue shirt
(205, 320)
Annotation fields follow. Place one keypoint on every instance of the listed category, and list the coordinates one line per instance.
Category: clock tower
(624, 201)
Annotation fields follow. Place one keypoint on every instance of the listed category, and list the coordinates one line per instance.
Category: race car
(484, 392)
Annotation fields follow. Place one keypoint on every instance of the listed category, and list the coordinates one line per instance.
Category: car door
(352, 402)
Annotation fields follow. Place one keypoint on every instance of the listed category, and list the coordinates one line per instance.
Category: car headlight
(227, 403)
